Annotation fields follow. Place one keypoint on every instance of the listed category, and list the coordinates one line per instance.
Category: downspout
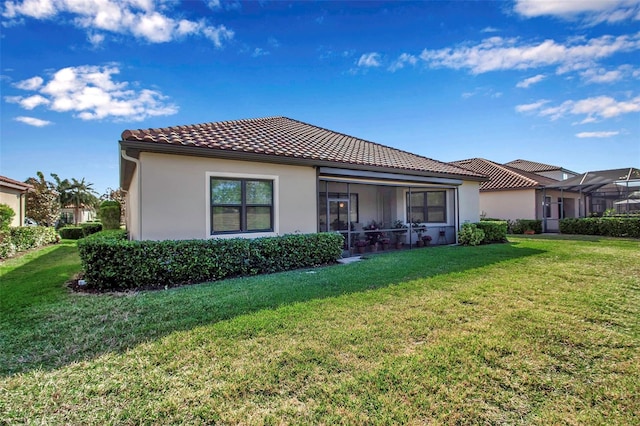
(135, 161)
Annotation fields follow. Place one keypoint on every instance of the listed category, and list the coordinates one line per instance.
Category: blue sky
(554, 82)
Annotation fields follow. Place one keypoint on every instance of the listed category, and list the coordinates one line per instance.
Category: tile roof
(532, 166)
(279, 137)
(502, 176)
(16, 184)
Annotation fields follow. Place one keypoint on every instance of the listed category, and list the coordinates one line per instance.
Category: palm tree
(76, 193)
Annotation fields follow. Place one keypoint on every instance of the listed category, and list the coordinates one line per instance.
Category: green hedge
(520, 225)
(110, 262)
(22, 238)
(607, 226)
(495, 231)
(89, 228)
(71, 232)
(109, 214)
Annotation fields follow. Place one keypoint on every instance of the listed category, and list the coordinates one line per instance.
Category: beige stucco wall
(469, 199)
(175, 195)
(132, 212)
(520, 204)
(12, 198)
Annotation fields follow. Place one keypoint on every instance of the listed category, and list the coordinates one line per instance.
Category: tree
(43, 204)
(76, 193)
(6, 216)
(118, 195)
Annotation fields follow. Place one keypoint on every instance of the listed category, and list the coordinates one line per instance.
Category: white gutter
(135, 161)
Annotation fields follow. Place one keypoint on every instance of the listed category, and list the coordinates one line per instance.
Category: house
(512, 193)
(274, 176)
(85, 214)
(547, 170)
(616, 190)
(14, 194)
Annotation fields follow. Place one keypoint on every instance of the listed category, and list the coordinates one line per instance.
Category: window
(241, 205)
(547, 206)
(427, 206)
(322, 208)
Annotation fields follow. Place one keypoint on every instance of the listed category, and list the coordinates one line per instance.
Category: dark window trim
(243, 206)
(425, 207)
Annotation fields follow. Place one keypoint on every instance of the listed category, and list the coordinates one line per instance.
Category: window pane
(258, 218)
(417, 199)
(436, 215)
(225, 219)
(435, 199)
(417, 214)
(225, 191)
(259, 192)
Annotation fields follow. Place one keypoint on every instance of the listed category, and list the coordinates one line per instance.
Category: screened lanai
(368, 210)
(615, 190)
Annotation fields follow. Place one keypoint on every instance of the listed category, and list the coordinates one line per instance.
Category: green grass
(539, 331)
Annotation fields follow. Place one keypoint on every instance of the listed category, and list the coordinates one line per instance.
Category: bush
(470, 235)
(495, 231)
(520, 225)
(110, 262)
(71, 232)
(6, 216)
(24, 238)
(89, 228)
(109, 214)
(607, 226)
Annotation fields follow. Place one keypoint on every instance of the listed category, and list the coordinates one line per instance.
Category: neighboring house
(274, 176)
(85, 214)
(602, 190)
(14, 194)
(512, 193)
(547, 170)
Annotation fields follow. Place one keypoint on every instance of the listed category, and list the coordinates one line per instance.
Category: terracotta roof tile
(284, 137)
(532, 166)
(502, 176)
(16, 183)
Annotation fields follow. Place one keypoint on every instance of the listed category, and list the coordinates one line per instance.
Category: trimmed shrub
(89, 228)
(470, 235)
(606, 226)
(24, 238)
(110, 262)
(6, 216)
(109, 214)
(495, 231)
(520, 225)
(71, 232)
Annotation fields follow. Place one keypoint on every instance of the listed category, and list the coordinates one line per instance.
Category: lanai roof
(15, 184)
(282, 139)
(594, 180)
(503, 177)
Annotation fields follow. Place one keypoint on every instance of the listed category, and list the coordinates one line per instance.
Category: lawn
(537, 331)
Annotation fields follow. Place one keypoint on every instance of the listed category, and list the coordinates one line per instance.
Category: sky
(556, 82)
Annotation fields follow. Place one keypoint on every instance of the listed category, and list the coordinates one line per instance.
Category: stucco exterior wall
(132, 200)
(520, 204)
(469, 199)
(13, 199)
(175, 197)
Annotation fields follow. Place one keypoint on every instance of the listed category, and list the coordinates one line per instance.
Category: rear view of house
(274, 176)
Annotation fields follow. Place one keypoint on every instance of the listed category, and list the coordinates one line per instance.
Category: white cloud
(530, 81)
(403, 60)
(497, 53)
(140, 18)
(596, 134)
(91, 94)
(30, 84)
(531, 107)
(591, 11)
(489, 30)
(369, 60)
(259, 52)
(31, 121)
(592, 109)
(603, 76)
